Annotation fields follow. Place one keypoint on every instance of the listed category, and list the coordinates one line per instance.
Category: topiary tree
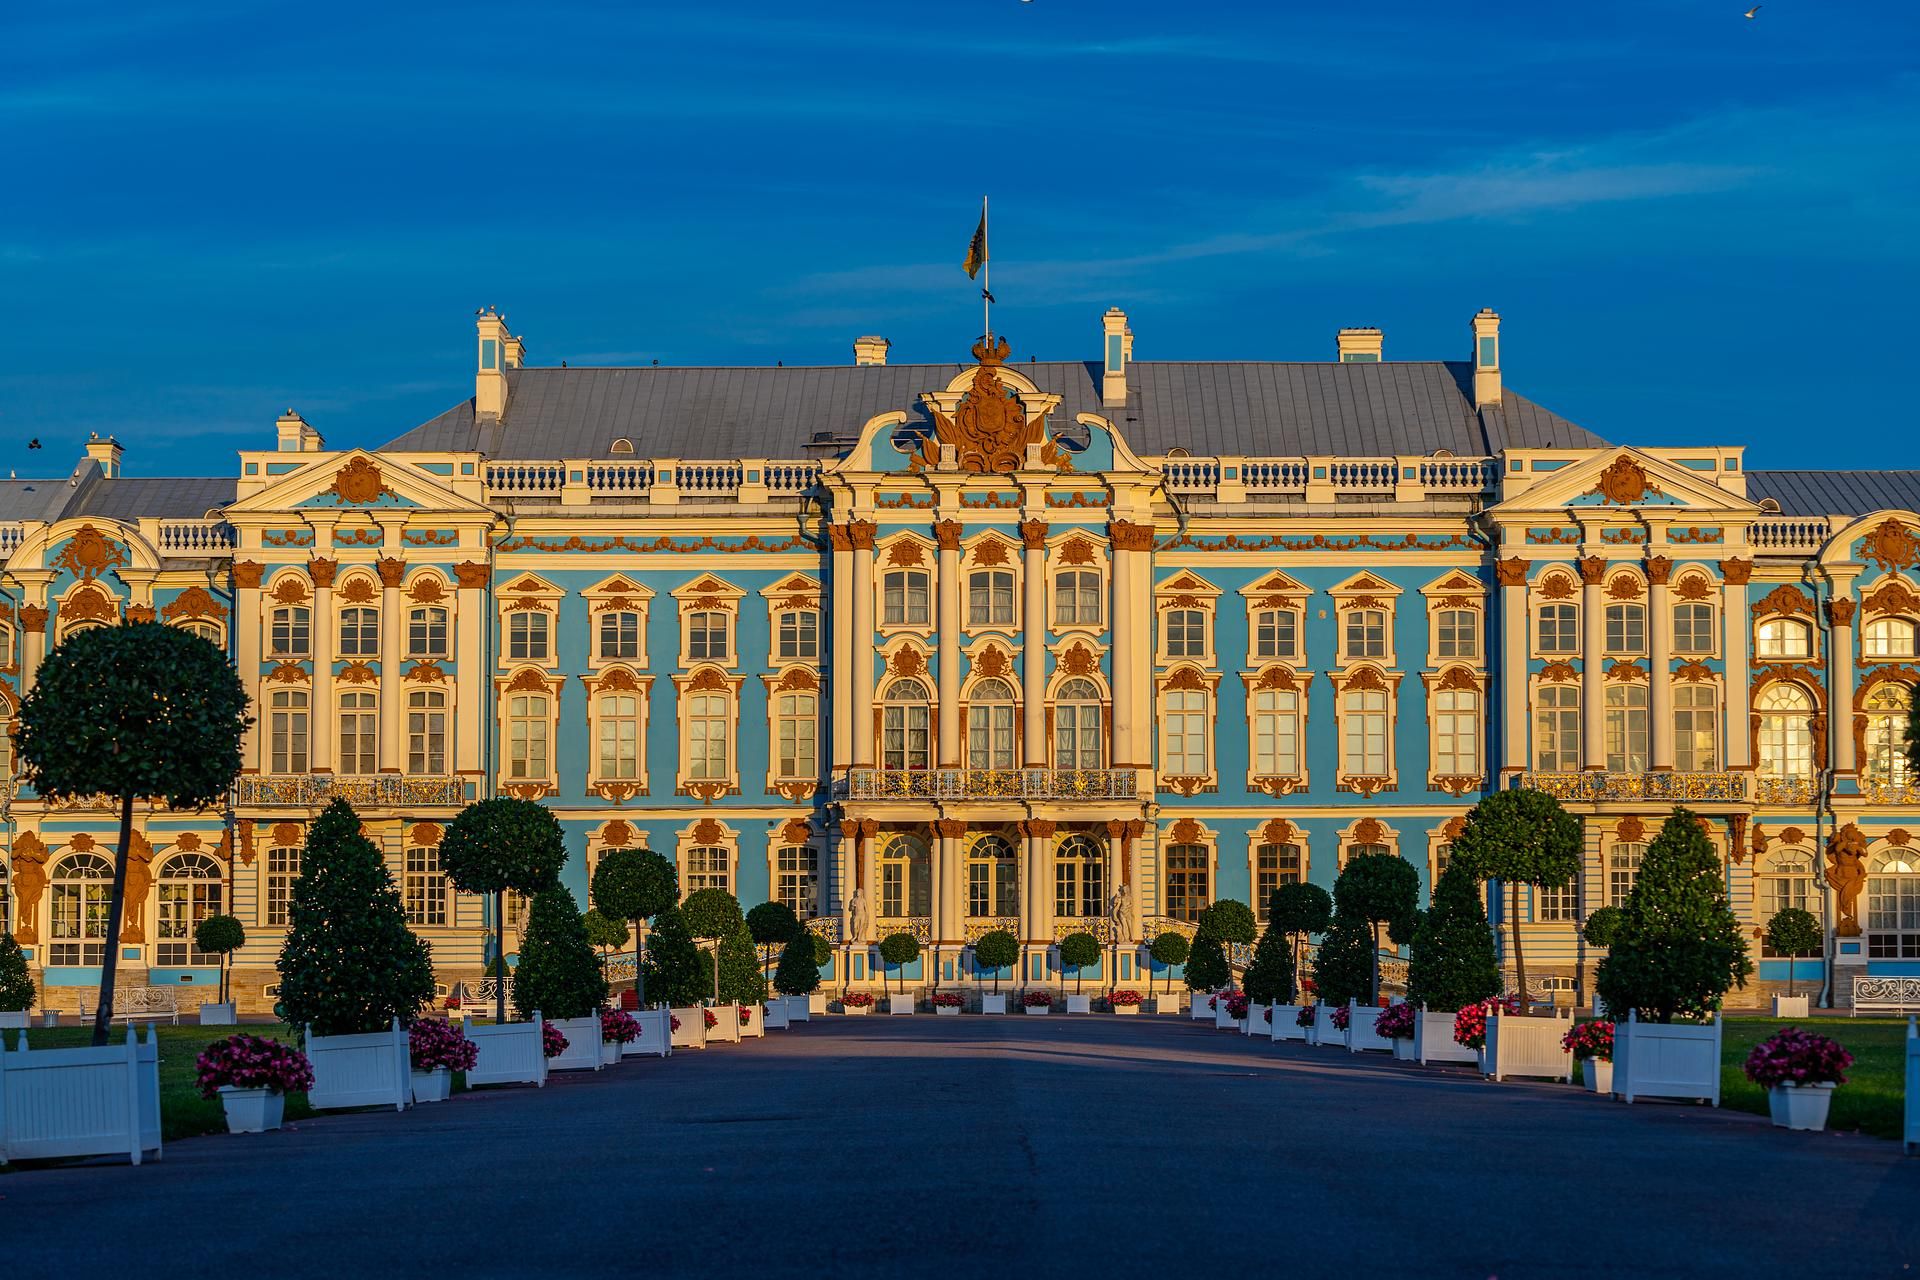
(558, 974)
(1343, 969)
(349, 963)
(1678, 949)
(712, 914)
(1229, 920)
(605, 932)
(1170, 948)
(773, 925)
(137, 711)
(822, 950)
(1207, 968)
(495, 845)
(1793, 932)
(1453, 962)
(1601, 927)
(1379, 888)
(996, 950)
(798, 973)
(16, 986)
(1298, 910)
(220, 936)
(636, 885)
(742, 978)
(674, 964)
(1270, 978)
(899, 950)
(1519, 837)
(1079, 950)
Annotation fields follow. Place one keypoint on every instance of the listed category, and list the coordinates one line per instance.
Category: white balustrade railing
(195, 537)
(619, 479)
(1363, 475)
(525, 479)
(1274, 475)
(1796, 535)
(716, 479)
(1459, 475)
(12, 534)
(1191, 475)
(788, 479)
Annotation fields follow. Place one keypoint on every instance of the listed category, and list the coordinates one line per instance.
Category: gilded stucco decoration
(1659, 569)
(359, 483)
(1557, 586)
(1127, 536)
(1369, 831)
(29, 882)
(1630, 830)
(358, 590)
(139, 613)
(989, 429)
(139, 882)
(991, 552)
(907, 662)
(1847, 874)
(905, 552)
(289, 590)
(1623, 483)
(1624, 586)
(1626, 671)
(947, 534)
(1277, 831)
(425, 672)
(1893, 596)
(992, 662)
(1076, 551)
(392, 572)
(1593, 570)
(1558, 673)
(1840, 613)
(194, 602)
(1079, 660)
(1693, 673)
(426, 589)
(1784, 601)
(616, 834)
(87, 604)
(1891, 545)
(471, 575)
(322, 571)
(358, 673)
(1510, 572)
(1738, 573)
(1033, 534)
(1693, 587)
(89, 553)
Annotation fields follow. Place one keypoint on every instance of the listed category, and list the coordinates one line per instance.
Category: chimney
(516, 352)
(870, 350)
(1119, 353)
(107, 453)
(1486, 358)
(1359, 346)
(490, 382)
(295, 436)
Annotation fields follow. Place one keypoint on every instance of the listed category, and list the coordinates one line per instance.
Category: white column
(1126, 647)
(1593, 738)
(393, 717)
(33, 642)
(1736, 574)
(1840, 611)
(861, 585)
(1513, 664)
(949, 893)
(470, 713)
(1660, 695)
(1033, 665)
(845, 643)
(247, 620)
(949, 622)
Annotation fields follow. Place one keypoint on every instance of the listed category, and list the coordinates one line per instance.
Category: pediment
(1625, 479)
(355, 481)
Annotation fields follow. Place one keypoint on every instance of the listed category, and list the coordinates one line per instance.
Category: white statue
(859, 919)
(1120, 913)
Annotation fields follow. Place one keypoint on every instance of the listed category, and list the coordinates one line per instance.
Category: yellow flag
(977, 250)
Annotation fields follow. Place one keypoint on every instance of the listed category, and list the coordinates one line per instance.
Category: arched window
(1366, 633)
(289, 632)
(797, 735)
(1623, 868)
(990, 598)
(1273, 866)
(1076, 598)
(1887, 708)
(708, 867)
(1783, 638)
(1783, 878)
(1456, 733)
(1079, 879)
(906, 739)
(283, 868)
(906, 878)
(1276, 733)
(1887, 638)
(1077, 739)
(1696, 729)
(1692, 628)
(82, 888)
(359, 632)
(617, 717)
(903, 598)
(1351, 851)
(427, 731)
(1556, 728)
(990, 726)
(993, 877)
(1626, 628)
(709, 736)
(527, 754)
(1363, 733)
(529, 635)
(1559, 628)
(359, 733)
(1786, 731)
(208, 631)
(1893, 907)
(1183, 732)
(425, 887)
(427, 632)
(287, 720)
(1188, 877)
(1626, 728)
(189, 893)
(1276, 634)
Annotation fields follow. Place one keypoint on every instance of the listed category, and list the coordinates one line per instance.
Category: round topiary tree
(1453, 962)
(1678, 949)
(220, 936)
(349, 963)
(1793, 932)
(558, 974)
(1229, 920)
(675, 967)
(1270, 978)
(1207, 968)
(1170, 948)
(742, 979)
(822, 950)
(139, 711)
(16, 985)
(1601, 927)
(899, 950)
(996, 950)
(773, 924)
(1519, 837)
(712, 914)
(1343, 967)
(493, 846)
(1298, 910)
(798, 973)
(606, 933)
(1078, 951)
(635, 885)
(1379, 888)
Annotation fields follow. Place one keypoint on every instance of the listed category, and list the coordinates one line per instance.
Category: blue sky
(1698, 228)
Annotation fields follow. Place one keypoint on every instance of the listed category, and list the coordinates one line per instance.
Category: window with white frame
(709, 729)
(1696, 729)
(906, 878)
(1456, 733)
(359, 745)
(1558, 628)
(1077, 739)
(1556, 728)
(1183, 732)
(990, 726)
(529, 636)
(427, 731)
(618, 635)
(1363, 733)
(993, 878)
(1786, 731)
(359, 632)
(617, 720)
(427, 632)
(189, 892)
(1625, 728)
(1888, 707)
(796, 723)
(1623, 868)
(1887, 638)
(1276, 634)
(1365, 633)
(1184, 633)
(1783, 879)
(798, 634)
(906, 727)
(287, 721)
(1626, 628)
(283, 868)
(1076, 598)
(708, 867)
(1273, 866)
(1783, 638)
(990, 598)
(528, 756)
(905, 596)
(1276, 733)
(1189, 873)
(1552, 905)
(1456, 633)
(290, 632)
(708, 634)
(82, 887)
(1693, 628)
(1079, 879)
(1893, 907)
(797, 879)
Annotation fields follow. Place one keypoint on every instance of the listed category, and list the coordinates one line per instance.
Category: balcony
(988, 784)
(1783, 791)
(363, 791)
(653, 480)
(1666, 786)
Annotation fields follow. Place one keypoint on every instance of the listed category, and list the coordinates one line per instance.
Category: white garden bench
(137, 1004)
(1886, 995)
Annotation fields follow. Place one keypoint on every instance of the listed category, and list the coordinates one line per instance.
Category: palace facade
(1049, 647)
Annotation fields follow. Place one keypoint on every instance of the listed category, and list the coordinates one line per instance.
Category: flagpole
(986, 272)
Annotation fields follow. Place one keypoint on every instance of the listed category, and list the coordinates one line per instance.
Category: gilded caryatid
(1847, 873)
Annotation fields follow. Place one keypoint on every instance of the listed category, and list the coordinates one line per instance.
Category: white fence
(80, 1102)
(370, 1070)
(1361, 1037)
(510, 1053)
(1433, 1040)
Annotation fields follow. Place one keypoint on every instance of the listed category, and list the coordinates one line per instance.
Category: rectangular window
(1186, 633)
(797, 733)
(290, 635)
(1363, 733)
(709, 718)
(359, 734)
(1076, 599)
(1623, 868)
(1183, 734)
(1187, 876)
(427, 633)
(1625, 728)
(798, 871)
(619, 636)
(1693, 630)
(708, 868)
(1556, 905)
(183, 905)
(528, 637)
(707, 637)
(990, 599)
(1276, 733)
(283, 868)
(1695, 730)
(903, 599)
(1457, 633)
(427, 731)
(1366, 633)
(359, 633)
(1273, 866)
(618, 718)
(1626, 626)
(289, 731)
(425, 888)
(1276, 634)
(527, 736)
(799, 635)
(1456, 733)
(1559, 628)
(1556, 729)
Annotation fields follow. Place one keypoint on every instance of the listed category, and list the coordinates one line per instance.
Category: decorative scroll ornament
(991, 662)
(1278, 831)
(1630, 830)
(1693, 587)
(289, 590)
(1784, 601)
(359, 483)
(989, 429)
(991, 552)
(908, 663)
(1511, 572)
(87, 605)
(194, 602)
(1556, 586)
(1623, 483)
(616, 834)
(1894, 596)
(1080, 661)
(89, 553)
(1891, 544)
(1624, 586)
(1076, 551)
(358, 590)
(1369, 831)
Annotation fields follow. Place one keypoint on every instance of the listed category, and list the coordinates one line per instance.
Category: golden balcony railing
(921, 927)
(1881, 791)
(1672, 785)
(978, 927)
(1788, 791)
(362, 790)
(989, 784)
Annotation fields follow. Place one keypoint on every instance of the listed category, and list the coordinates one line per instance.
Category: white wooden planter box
(1789, 1006)
(776, 1014)
(1038, 1010)
(371, 1070)
(80, 1102)
(991, 1003)
(1286, 1023)
(947, 1010)
(1666, 1060)
(1325, 1034)
(656, 1035)
(1256, 1023)
(1361, 1037)
(1433, 1040)
(253, 1110)
(1223, 1020)
(855, 1010)
(1402, 1049)
(435, 1085)
(1911, 1130)
(726, 1024)
(692, 1031)
(754, 1026)
(1202, 1012)
(218, 1015)
(509, 1053)
(800, 1008)
(14, 1019)
(1164, 1004)
(609, 1053)
(583, 1044)
(816, 1002)
(1596, 1075)
(1079, 1004)
(900, 1004)
(1521, 1046)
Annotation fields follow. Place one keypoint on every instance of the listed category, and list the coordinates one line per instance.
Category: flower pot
(856, 1010)
(1789, 1006)
(1038, 1010)
(1597, 1074)
(609, 1053)
(1126, 1010)
(1800, 1106)
(432, 1086)
(1666, 1060)
(1403, 1050)
(692, 1031)
(1079, 1004)
(947, 1010)
(899, 1004)
(218, 1015)
(13, 1019)
(253, 1110)
(996, 1003)
(1201, 1011)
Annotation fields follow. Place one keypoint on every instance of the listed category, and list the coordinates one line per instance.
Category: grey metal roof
(1836, 493)
(33, 499)
(161, 498)
(1249, 408)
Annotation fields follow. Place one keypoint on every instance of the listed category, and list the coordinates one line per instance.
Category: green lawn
(1872, 1099)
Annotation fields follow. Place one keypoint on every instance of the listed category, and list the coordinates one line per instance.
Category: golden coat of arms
(989, 429)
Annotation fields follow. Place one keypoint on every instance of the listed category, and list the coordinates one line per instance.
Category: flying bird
(1753, 11)
(34, 443)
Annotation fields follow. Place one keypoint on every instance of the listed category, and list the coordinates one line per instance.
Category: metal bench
(1886, 995)
(137, 1004)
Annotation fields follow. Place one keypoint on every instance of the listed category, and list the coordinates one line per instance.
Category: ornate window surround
(1365, 590)
(615, 833)
(795, 593)
(526, 593)
(1456, 589)
(1785, 602)
(1366, 831)
(1456, 676)
(908, 552)
(1888, 596)
(707, 678)
(709, 593)
(529, 678)
(1438, 838)
(1186, 590)
(1557, 584)
(1183, 678)
(1077, 550)
(707, 833)
(617, 593)
(797, 833)
(793, 678)
(1281, 675)
(1063, 673)
(1185, 831)
(1276, 592)
(1276, 831)
(620, 678)
(992, 552)
(1364, 676)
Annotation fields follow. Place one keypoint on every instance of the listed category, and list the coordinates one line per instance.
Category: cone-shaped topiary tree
(349, 963)
(675, 967)
(899, 950)
(137, 711)
(493, 846)
(1379, 888)
(996, 950)
(1793, 932)
(1079, 951)
(1298, 910)
(798, 973)
(741, 979)
(606, 933)
(1453, 962)
(1170, 948)
(1519, 837)
(1678, 949)
(1343, 967)
(773, 925)
(220, 936)
(558, 974)
(635, 885)
(1207, 968)
(1270, 978)
(16, 985)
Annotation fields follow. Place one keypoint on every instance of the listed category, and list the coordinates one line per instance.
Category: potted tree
(1799, 1070)
(493, 846)
(16, 985)
(559, 978)
(1269, 983)
(1343, 976)
(994, 952)
(677, 974)
(1168, 949)
(221, 936)
(1792, 932)
(1602, 926)
(1206, 973)
(798, 974)
(899, 950)
(252, 1078)
(1079, 952)
(1519, 837)
(773, 926)
(1298, 910)
(635, 885)
(743, 985)
(1382, 889)
(435, 1051)
(1451, 966)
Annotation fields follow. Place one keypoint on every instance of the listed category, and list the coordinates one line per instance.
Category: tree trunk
(500, 955)
(639, 974)
(1519, 956)
(1789, 977)
(116, 910)
(1375, 957)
